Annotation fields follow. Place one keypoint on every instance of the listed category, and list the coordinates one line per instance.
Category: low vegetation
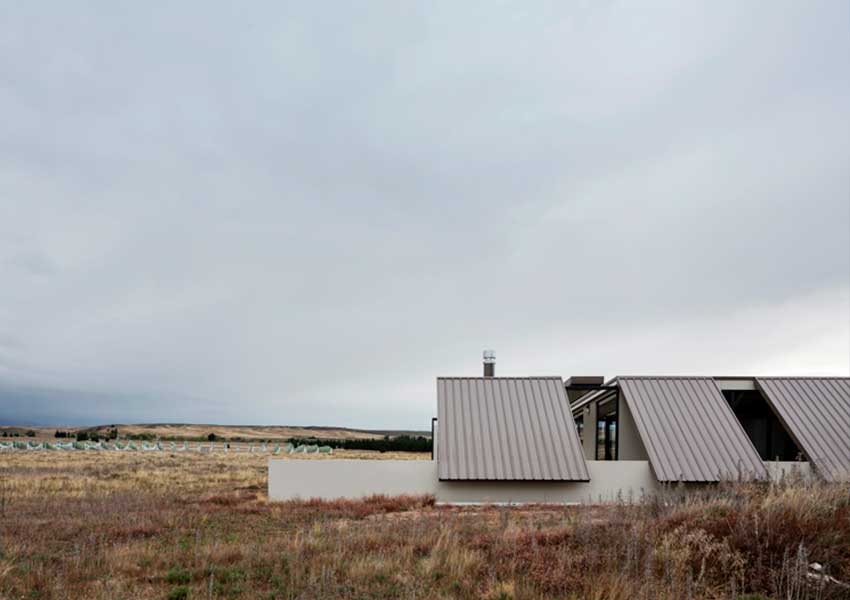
(179, 432)
(401, 443)
(192, 526)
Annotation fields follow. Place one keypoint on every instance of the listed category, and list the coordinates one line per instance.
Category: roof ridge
(668, 377)
(818, 377)
(510, 377)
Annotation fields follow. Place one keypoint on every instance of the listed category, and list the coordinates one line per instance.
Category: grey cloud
(302, 214)
(34, 264)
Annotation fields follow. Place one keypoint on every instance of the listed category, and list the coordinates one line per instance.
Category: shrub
(228, 581)
(181, 592)
(30, 433)
(694, 556)
(212, 437)
(89, 435)
(179, 575)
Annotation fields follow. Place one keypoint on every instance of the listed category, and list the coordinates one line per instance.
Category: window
(606, 430)
(763, 428)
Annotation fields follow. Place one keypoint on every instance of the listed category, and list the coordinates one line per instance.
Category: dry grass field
(189, 525)
(196, 431)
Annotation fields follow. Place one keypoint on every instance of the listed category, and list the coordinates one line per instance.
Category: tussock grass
(198, 526)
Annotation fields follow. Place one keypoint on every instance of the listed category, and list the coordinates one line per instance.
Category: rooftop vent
(489, 363)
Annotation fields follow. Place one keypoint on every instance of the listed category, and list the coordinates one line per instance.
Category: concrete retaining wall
(609, 481)
(289, 479)
(328, 479)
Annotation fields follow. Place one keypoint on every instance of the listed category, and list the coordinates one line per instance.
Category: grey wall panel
(629, 444)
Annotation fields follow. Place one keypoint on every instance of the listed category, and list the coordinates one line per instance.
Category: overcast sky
(303, 213)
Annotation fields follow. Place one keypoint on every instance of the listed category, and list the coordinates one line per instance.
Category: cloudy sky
(302, 213)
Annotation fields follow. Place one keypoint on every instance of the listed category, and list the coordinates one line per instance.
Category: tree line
(401, 443)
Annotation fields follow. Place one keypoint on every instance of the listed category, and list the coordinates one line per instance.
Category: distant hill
(248, 432)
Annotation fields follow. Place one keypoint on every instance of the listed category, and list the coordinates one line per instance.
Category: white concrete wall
(609, 481)
(289, 479)
(630, 444)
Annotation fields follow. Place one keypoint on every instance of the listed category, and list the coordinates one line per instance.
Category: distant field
(178, 526)
(193, 431)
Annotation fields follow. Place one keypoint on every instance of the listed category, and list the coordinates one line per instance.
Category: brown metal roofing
(689, 430)
(506, 428)
(816, 413)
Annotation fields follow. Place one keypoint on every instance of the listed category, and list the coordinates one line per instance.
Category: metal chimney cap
(489, 356)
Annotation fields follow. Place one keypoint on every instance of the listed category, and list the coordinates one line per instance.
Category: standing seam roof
(816, 413)
(689, 430)
(507, 428)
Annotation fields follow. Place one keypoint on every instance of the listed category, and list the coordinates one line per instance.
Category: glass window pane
(600, 440)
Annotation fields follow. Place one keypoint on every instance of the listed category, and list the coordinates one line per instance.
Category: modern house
(543, 439)
(703, 429)
(689, 429)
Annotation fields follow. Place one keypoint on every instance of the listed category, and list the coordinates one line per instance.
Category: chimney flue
(489, 363)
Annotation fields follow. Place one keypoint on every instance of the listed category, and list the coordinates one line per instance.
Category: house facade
(544, 439)
(704, 429)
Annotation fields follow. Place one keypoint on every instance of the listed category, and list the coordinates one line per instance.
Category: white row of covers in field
(161, 447)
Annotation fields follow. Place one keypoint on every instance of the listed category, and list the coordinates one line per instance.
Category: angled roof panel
(689, 430)
(507, 428)
(816, 413)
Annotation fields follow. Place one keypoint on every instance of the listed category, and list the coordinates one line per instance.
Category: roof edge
(481, 377)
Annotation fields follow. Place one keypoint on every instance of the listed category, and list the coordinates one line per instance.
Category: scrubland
(160, 525)
(180, 431)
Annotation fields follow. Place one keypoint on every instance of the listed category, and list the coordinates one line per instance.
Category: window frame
(608, 419)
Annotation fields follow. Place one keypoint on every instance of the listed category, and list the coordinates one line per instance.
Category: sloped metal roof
(506, 428)
(689, 430)
(816, 413)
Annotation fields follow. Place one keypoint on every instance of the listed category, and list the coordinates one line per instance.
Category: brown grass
(195, 431)
(150, 525)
